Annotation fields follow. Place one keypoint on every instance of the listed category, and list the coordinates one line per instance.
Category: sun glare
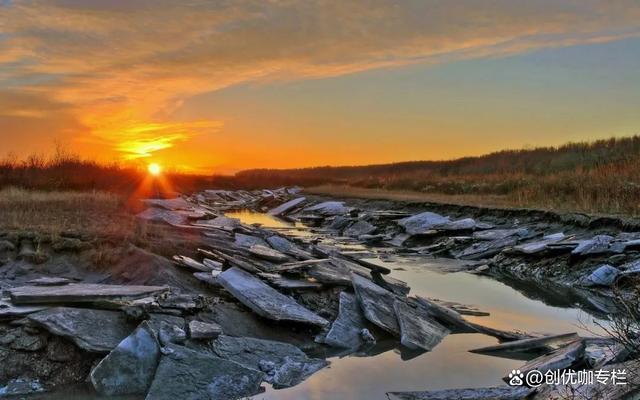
(154, 169)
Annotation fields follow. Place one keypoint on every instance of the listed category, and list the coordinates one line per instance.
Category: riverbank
(327, 281)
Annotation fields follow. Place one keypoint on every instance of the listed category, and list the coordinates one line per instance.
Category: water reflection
(449, 365)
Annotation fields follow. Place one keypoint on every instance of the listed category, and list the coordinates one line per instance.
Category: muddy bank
(269, 305)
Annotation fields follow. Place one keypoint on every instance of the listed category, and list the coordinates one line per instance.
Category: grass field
(92, 213)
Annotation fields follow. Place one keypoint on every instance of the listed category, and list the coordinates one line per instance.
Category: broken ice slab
(264, 300)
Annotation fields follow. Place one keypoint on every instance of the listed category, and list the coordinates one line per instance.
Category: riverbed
(450, 364)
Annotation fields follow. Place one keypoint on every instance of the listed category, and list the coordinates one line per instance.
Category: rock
(130, 367)
(284, 364)
(287, 247)
(599, 352)
(561, 358)
(221, 222)
(208, 278)
(264, 300)
(49, 281)
(376, 303)
(212, 264)
(80, 293)
(10, 311)
(599, 244)
(495, 393)
(267, 253)
(447, 316)
(536, 344)
(155, 214)
(604, 275)
(329, 208)
(485, 249)
(21, 386)
(339, 223)
(29, 342)
(540, 245)
(177, 203)
(418, 330)
(204, 330)
(286, 207)
(281, 282)
(399, 239)
(359, 228)
(495, 234)
(247, 241)
(465, 224)
(191, 264)
(330, 274)
(188, 374)
(80, 326)
(420, 224)
(346, 330)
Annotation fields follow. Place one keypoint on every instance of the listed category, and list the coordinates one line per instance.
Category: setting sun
(154, 169)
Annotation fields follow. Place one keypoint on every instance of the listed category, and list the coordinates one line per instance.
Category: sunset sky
(218, 86)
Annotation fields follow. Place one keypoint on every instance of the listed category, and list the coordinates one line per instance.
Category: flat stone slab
(485, 249)
(98, 331)
(80, 293)
(418, 330)
(347, 330)
(247, 241)
(359, 228)
(177, 203)
(10, 311)
(267, 253)
(287, 247)
(376, 304)
(190, 263)
(288, 206)
(599, 244)
(545, 343)
(204, 330)
(540, 245)
(284, 364)
(495, 234)
(329, 208)
(264, 300)
(220, 222)
(189, 374)
(422, 223)
(49, 281)
(208, 278)
(604, 275)
(495, 393)
(130, 367)
(282, 282)
(155, 214)
(464, 224)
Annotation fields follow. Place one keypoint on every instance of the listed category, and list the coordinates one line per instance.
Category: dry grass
(407, 195)
(90, 213)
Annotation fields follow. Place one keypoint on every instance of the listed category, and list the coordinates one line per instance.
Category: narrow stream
(450, 364)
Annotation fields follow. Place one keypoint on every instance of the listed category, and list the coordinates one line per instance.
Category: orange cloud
(125, 67)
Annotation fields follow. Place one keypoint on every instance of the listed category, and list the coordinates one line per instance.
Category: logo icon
(515, 378)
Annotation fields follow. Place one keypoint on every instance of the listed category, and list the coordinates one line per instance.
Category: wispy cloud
(124, 67)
